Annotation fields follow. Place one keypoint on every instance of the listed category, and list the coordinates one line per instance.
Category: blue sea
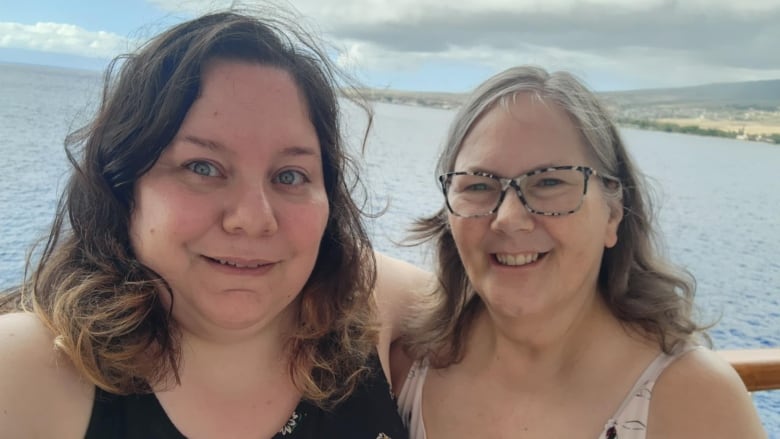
(718, 200)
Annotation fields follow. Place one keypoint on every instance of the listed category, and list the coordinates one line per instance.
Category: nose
(250, 211)
(512, 215)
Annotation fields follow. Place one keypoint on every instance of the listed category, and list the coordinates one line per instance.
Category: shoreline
(749, 130)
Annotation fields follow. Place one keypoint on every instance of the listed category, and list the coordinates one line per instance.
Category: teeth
(521, 259)
(233, 264)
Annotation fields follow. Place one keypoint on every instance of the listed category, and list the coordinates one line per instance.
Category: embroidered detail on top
(644, 392)
(636, 425)
(383, 436)
(291, 424)
(610, 429)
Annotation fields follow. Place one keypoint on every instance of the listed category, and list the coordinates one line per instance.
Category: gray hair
(561, 88)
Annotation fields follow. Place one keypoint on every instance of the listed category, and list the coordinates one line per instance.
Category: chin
(514, 303)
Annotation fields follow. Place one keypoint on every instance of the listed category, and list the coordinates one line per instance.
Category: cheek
(164, 216)
(145, 234)
(467, 235)
(458, 230)
(306, 223)
(144, 218)
(579, 236)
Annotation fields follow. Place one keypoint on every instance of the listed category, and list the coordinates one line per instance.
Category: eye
(473, 184)
(548, 182)
(291, 177)
(478, 187)
(205, 169)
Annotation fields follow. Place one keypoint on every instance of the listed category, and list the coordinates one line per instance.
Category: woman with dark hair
(556, 315)
(207, 273)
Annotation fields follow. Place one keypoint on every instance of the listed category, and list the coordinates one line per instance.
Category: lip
(232, 265)
(519, 260)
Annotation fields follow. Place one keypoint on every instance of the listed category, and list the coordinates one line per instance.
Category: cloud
(663, 42)
(649, 42)
(62, 38)
(719, 35)
(191, 6)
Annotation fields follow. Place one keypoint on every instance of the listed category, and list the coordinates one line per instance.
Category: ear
(615, 217)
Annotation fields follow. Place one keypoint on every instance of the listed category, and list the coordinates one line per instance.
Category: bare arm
(701, 396)
(41, 395)
(399, 284)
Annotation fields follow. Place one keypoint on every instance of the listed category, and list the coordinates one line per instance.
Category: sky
(446, 45)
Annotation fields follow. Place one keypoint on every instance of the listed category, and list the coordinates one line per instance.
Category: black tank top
(369, 413)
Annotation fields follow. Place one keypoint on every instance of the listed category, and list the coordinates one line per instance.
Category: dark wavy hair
(639, 286)
(103, 305)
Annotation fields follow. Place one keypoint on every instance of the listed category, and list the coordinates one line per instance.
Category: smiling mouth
(517, 260)
(234, 264)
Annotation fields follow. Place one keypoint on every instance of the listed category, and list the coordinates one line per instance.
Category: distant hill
(742, 110)
(421, 98)
(759, 95)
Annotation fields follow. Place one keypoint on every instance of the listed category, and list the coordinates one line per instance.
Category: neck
(233, 383)
(531, 351)
(236, 363)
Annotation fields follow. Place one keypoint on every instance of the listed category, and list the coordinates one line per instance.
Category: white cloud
(62, 38)
(191, 6)
(367, 12)
(661, 42)
(651, 42)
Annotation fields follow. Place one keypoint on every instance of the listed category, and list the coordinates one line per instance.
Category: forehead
(526, 133)
(241, 83)
(250, 104)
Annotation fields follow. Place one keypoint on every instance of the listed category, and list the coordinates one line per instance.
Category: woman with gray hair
(556, 315)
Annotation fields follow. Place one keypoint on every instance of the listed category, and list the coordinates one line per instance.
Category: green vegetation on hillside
(696, 130)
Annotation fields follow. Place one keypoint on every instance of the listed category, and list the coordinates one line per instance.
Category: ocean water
(717, 199)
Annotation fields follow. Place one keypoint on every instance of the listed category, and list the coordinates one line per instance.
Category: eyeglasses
(554, 191)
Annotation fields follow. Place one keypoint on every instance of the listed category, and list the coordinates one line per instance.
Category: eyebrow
(208, 144)
(491, 172)
(287, 151)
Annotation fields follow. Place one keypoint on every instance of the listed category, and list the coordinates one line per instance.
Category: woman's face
(232, 214)
(522, 263)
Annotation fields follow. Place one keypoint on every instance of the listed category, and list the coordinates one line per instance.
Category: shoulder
(701, 395)
(37, 381)
(400, 365)
(400, 285)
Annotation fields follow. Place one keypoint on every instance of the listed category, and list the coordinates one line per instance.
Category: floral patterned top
(369, 413)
